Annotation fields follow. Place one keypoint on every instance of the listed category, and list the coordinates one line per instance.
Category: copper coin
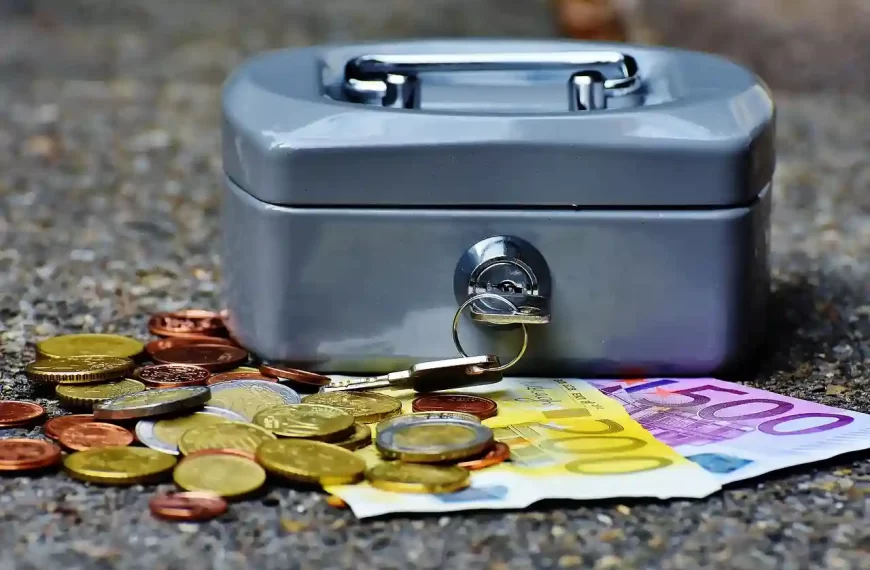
(192, 322)
(19, 454)
(14, 413)
(54, 427)
(163, 343)
(498, 453)
(295, 375)
(172, 375)
(187, 506)
(476, 405)
(222, 451)
(211, 357)
(227, 376)
(95, 434)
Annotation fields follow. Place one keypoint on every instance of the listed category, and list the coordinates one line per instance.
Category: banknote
(736, 432)
(567, 440)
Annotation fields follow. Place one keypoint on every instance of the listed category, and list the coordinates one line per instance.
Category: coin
(229, 376)
(401, 477)
(302, 377)
(85, 396)
(172, 375)
(163, 343)
(90, 345)
(220, 451)
(432, 441)
(214, 358)
(20, 454)
(230, 435)
(476, 405)
(312, 421)
(16, 414)
(187, 506)
(361, 437)
(78, 369)
(94, 434)
(119, 465)
(55, 426)
(311, 461)
(417, 416)
(499, 453)
(191, 322)
(222, 474)
(366, 407)
(248, 397)
(151, 403)
(163, 434)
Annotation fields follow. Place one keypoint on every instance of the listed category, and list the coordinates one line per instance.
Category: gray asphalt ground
(109, 161)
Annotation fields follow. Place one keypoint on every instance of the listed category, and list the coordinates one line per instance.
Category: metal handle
(393, 80)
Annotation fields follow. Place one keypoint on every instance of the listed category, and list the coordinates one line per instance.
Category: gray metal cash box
(611, 201)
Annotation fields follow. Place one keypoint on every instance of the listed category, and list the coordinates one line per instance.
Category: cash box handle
(393, 80)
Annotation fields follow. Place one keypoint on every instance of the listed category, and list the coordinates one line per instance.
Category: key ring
(515, 309)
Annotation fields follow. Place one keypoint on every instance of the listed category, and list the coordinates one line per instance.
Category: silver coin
(435, 440)
(249, 397)
(163, 435)
(417, 416)
(151, 403)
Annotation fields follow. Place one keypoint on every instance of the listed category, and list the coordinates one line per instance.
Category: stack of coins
(192, 405)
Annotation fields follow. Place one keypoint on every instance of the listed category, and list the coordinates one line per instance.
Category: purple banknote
(734, 431)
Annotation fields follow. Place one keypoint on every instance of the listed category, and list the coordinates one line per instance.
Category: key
(429, 376)
(532, 310)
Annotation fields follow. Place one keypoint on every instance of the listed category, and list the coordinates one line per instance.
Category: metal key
(429, 376)
(531, 310)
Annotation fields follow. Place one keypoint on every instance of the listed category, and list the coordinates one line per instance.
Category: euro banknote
(736, 432)
(567, 440)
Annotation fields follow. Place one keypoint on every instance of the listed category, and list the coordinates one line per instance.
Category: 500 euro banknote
(736, 432)
(567, 440)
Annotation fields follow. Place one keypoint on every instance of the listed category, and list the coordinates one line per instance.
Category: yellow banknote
(567, 440)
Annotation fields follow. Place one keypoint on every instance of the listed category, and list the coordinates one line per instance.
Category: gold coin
(90, 345)
(412, 478)
(366, 407)
(78, 369)
(361, 437)
(224, 475)
(85, 396)
(232, 435)
(312, 421)
(119, 465)
(311, 461)
(245, 369)
(249, 397)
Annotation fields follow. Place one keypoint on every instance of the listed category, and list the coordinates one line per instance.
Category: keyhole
(508, 286)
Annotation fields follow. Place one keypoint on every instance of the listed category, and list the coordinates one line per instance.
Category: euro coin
(17, 414)
(224, 475)
(78, 369)
(249, 397)
(86, 395)
(163, 434)
(119, 465)
(172, 375)
(90, 345)
(232, 435)
(187, 506)
(312, 421)
(311, 462)
(95, 434)
(151, 403)
(401, 477)
(417, 416)
(162, 343)
(498, 453)
(215, 358)
(20, 454)
(361, 437)
(433, 441)
(56, 426)
(366, 407)
(479, 406)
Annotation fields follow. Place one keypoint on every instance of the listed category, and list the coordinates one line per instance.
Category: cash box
(387, 204)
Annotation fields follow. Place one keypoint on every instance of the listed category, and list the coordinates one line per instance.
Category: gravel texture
(109, 161)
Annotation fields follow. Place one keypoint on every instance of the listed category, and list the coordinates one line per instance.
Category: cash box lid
(702, 135)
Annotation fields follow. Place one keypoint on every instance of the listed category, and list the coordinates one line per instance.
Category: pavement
(109, 165)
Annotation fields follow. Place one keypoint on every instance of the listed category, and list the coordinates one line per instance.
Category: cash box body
(344, 220)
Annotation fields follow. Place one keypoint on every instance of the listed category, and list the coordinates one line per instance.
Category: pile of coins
(193, 394)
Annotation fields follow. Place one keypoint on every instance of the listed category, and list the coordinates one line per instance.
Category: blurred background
(793, 44)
